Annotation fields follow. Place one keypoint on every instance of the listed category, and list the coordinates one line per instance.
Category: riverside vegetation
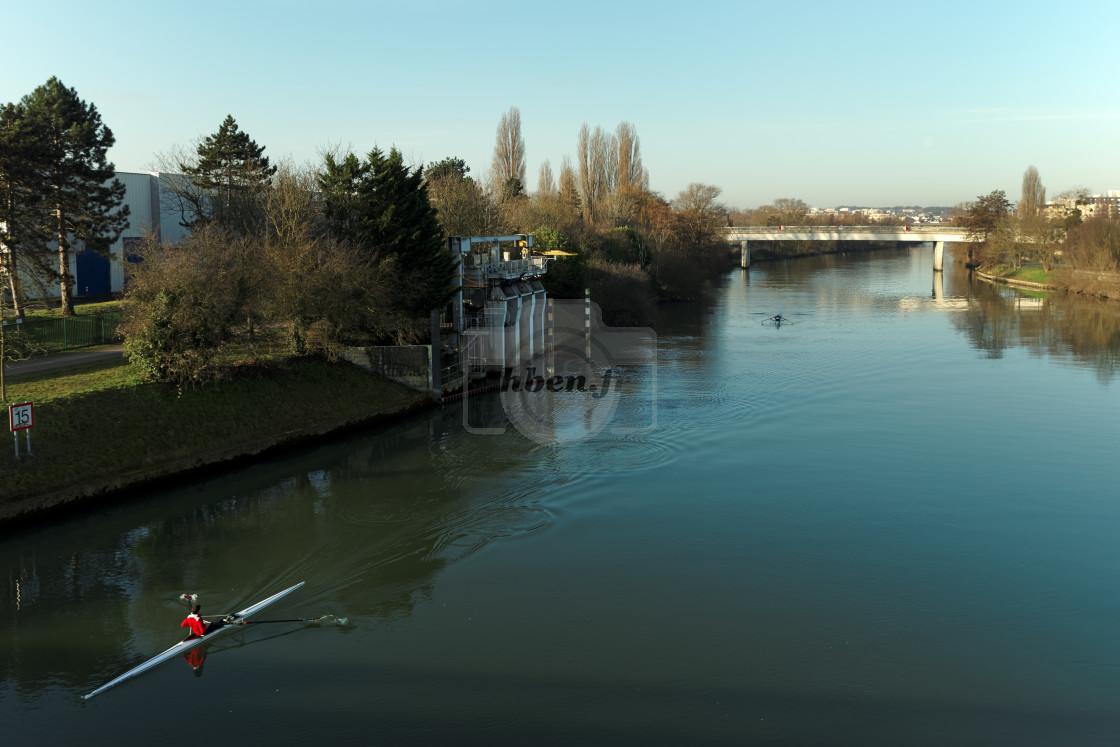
(1057, 247)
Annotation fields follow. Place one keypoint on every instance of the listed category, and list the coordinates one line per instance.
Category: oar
(292, 620)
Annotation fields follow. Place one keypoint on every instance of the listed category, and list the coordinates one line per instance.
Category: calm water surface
(893, 521)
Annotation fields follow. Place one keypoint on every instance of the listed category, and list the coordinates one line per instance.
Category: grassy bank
(99, 428)
(1035, 275)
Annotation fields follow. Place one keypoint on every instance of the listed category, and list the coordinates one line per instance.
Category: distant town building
(1107, 205)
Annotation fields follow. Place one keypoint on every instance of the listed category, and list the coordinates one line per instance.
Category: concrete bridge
(938, 235)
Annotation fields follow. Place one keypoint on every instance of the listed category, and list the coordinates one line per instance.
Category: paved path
(61, 360)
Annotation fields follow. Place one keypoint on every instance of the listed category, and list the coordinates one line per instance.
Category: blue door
(93, 274)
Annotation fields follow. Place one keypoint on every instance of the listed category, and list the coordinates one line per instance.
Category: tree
(225, 181)
(184, 304)
(546, 182)
(1035, 226)
(24, 216)
(381, 205)
(448, 168)
(461, 205)
(1094, 245)
(568, 186)
(596, 160)
(344, 208)
(700, 212)
(982, 218)
(629, 161)
(789, 211)
(86, 201)
(291, 207)
(509, 153)
(512, 188)
(1034, 195)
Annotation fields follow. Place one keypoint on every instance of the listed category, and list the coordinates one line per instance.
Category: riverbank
(101, 433)
(1029, 278)
(1100, 285)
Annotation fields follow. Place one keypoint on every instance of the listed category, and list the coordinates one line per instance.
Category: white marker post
(21, 418)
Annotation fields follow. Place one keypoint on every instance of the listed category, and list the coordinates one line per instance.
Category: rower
(198, 626)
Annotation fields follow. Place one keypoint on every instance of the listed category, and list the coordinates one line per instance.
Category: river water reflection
(893, 521)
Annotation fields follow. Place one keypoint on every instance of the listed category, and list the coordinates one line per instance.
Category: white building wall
(146, 217)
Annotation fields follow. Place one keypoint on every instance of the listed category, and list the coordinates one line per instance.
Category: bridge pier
(746, 254)
(938, 255)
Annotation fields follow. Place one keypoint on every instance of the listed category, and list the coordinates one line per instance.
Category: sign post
(21, 418)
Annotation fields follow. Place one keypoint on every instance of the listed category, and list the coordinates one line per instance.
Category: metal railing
(934, 228)
(36, 337)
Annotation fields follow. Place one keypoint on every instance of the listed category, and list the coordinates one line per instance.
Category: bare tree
(700, 212)
(1034, 195)
(629, 179)
(597, 160)
(509, 154)
(569, 186)
(630, 169)
(546, 182)
(790, 211)
(291, 209)
(1035, 226)
(463, 207)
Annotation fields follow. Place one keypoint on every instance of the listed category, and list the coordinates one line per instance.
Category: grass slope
(99, 427)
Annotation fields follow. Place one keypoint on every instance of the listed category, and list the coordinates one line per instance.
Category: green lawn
(1026, 274)
(41, 310)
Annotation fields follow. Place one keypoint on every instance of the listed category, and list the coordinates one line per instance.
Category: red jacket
(194, 622)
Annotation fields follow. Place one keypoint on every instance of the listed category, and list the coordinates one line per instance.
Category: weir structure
(498, 315)
(937, 235)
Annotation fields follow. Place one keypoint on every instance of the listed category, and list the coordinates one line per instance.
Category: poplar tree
(508, 165)
(73, 176)
(226, 182)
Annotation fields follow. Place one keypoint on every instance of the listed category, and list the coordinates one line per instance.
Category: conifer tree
(22, 224)
(382, 205)
(228, 180)
(74, 178)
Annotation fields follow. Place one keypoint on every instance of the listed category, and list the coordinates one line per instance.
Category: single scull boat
(181, 647)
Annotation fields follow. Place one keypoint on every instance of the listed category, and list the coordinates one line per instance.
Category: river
(891, 520)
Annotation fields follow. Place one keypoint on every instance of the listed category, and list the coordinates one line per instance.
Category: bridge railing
(850, 229)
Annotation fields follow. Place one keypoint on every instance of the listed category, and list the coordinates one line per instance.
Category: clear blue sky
(862, 103)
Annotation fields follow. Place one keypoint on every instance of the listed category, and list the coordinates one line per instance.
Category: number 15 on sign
(21, 418)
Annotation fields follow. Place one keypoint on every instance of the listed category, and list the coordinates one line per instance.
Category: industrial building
(95, 274)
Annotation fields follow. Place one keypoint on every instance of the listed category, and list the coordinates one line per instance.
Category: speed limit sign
(21, 418)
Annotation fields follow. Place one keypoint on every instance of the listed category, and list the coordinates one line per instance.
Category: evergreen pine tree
(229, 178)
(74, 177)
(340, 183)
(382, 205)
(22, 211)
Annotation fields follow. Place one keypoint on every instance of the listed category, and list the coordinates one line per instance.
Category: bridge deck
(845, 233)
